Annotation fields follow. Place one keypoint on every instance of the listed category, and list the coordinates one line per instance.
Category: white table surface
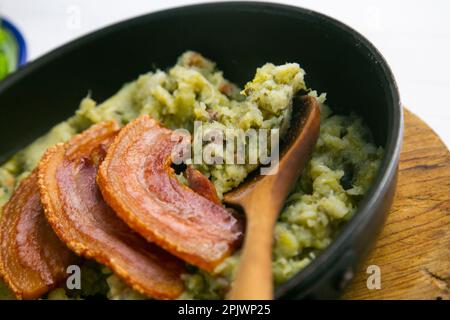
(414, 37)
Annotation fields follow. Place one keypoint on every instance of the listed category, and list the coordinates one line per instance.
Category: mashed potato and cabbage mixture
(340, 172)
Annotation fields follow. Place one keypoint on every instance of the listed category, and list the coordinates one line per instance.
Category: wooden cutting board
(413, 250)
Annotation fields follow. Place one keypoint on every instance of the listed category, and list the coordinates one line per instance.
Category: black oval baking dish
(239, 36)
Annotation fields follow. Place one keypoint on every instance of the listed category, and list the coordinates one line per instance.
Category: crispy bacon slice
(32, 258)
(81, 218)
(137, 181)
(201, 184)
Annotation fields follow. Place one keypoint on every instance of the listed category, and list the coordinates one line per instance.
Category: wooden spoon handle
(254, 275)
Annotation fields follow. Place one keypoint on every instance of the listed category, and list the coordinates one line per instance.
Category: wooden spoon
(263, 197)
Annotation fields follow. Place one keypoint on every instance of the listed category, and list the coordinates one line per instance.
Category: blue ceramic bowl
(20, 41)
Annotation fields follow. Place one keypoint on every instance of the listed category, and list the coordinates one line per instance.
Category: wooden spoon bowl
(262, 197)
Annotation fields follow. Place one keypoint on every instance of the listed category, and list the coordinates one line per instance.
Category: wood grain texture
(413, 250)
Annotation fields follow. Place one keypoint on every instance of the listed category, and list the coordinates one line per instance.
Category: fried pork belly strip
(201, 184)
(137, 181)
(32, 258)
(77, 212)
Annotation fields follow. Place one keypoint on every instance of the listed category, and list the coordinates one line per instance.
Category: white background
(414, 37)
